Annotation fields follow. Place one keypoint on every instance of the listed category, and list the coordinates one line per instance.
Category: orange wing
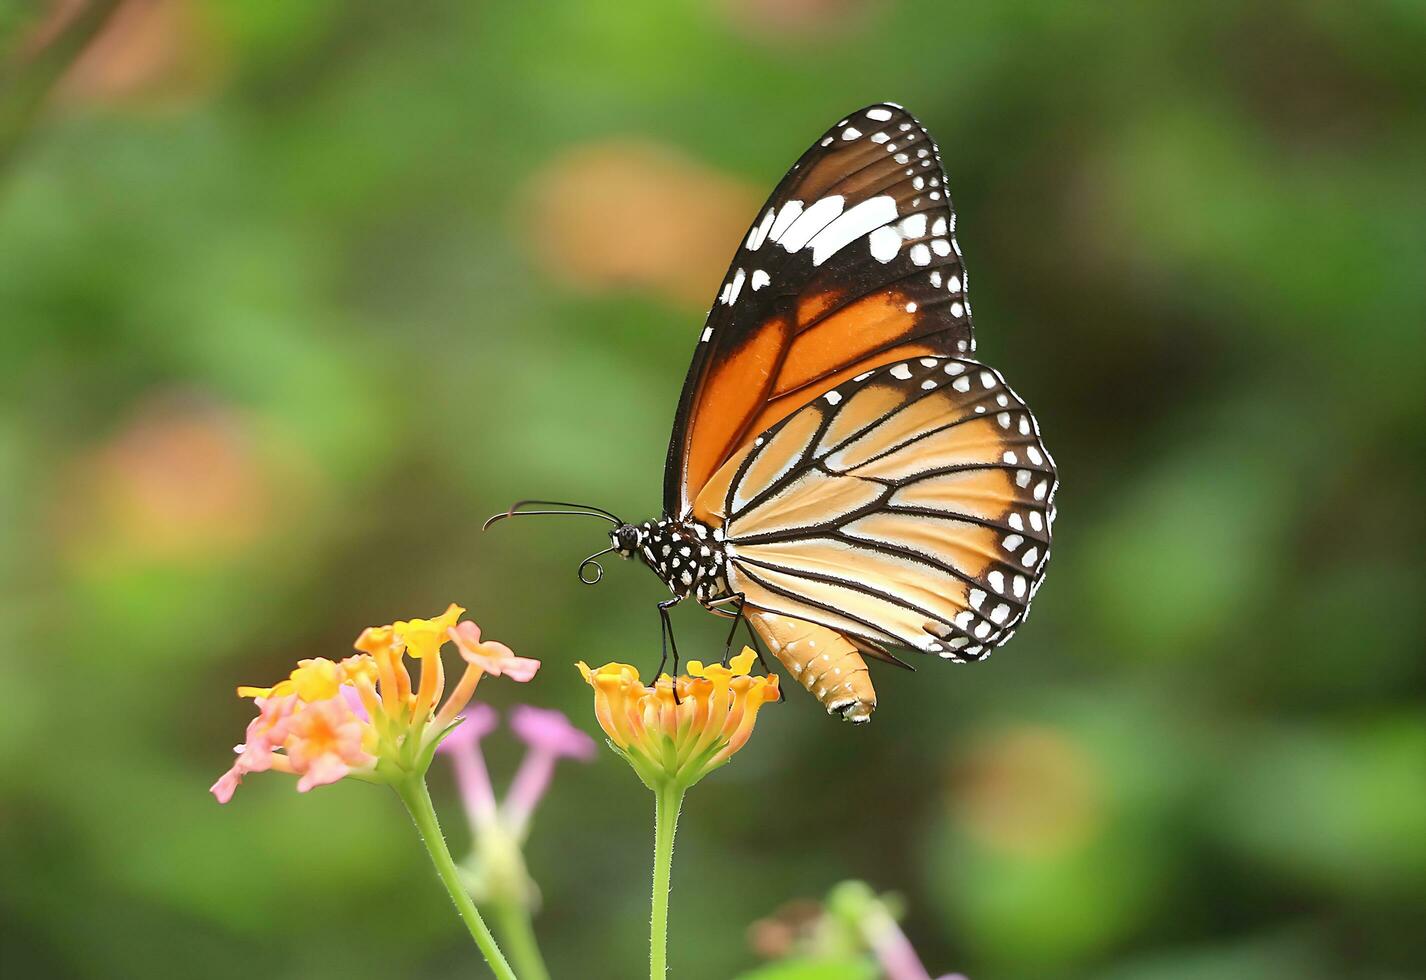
(910, 507)
(851, 264)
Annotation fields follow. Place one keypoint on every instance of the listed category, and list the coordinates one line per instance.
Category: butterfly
(843, 475)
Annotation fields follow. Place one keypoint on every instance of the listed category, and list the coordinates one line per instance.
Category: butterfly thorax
(686, 554)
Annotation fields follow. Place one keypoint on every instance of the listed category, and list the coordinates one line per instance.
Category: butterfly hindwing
(909, 507)
(851, 263)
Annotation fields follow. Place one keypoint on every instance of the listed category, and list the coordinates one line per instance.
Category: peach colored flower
(681, 739)
(363, 716)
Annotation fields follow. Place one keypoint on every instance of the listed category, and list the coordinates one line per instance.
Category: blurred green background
(293, 295)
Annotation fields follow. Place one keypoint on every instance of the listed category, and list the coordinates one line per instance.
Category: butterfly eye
(626, 539)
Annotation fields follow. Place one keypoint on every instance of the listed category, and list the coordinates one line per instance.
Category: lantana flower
(363, 716)
(495, 873)
(673, 734)
(679, 740)
(549, 737)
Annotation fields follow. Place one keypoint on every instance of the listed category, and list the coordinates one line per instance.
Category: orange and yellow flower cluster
(679, 739)
(363, 716)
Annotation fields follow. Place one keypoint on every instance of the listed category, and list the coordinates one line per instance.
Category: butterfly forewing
(910, 506)
(851, 264)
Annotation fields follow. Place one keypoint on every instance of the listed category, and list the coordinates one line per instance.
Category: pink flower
(550, 737)
(326, 743)
(227, 785)
(479, 720)
(265, 733)
(494, 658)
(462, 745)
(548, 730)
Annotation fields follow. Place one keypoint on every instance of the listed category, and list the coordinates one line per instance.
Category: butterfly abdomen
(823, 661)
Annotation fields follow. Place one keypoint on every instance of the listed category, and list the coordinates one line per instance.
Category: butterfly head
(628, 539)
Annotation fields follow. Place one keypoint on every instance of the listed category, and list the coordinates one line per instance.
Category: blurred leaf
(1343, 808)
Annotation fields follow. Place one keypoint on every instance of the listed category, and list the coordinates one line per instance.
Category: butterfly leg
(738, 617)
(667, 641)
(742, 617)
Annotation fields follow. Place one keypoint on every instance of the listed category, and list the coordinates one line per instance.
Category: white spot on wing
(810, 222)
(789, 213)
(847, 228)
(760, 279)
(731, 291)
(914, 226)
(759, 233)
(880, 115)
(885, 243)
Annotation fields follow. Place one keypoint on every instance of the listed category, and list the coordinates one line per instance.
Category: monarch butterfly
(842, 474)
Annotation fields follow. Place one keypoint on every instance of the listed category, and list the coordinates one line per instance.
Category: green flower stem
(414, 794)
(513, 921)
(668, 800)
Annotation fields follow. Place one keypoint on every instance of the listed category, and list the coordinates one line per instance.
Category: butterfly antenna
(592, 563)
(518, 509)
